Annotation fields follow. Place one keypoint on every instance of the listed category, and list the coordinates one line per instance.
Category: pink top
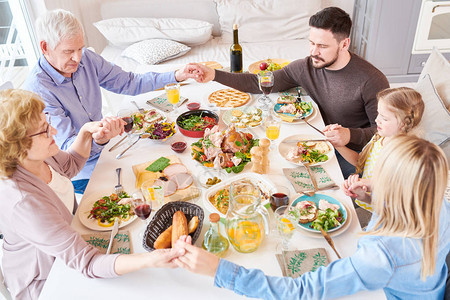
(36, 228)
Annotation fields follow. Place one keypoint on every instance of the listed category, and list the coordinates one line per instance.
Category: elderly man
(68, 77)
(343, 85)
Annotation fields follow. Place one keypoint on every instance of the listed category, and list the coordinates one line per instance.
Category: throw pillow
(155, 51)
(435, 122)
(126, 31)
(266, 20)
(439, 69)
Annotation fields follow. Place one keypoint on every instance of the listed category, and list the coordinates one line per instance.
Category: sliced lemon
(104, 224)
(287, 226)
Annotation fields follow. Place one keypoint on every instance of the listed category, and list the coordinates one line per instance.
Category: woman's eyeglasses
(47, 130)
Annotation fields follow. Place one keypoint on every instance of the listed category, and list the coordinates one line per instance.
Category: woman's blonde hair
(20, 112)
(408, 107)
(409, 182)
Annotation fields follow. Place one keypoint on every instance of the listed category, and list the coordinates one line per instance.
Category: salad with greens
(327, 219)
(106, 209)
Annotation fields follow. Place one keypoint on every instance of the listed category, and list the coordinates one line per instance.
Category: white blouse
(63, 188)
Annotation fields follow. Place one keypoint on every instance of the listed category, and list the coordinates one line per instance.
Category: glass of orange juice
(285, 224)
(272, 126)
(173, 95)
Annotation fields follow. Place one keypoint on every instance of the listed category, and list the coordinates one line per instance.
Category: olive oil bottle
(214, 242)
(235, 53)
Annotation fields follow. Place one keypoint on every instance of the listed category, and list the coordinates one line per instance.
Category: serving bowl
(198, 112)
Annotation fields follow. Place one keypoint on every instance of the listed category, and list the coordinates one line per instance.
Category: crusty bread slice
(308, 211)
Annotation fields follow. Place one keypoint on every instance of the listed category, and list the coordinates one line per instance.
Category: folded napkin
(295, 263)
(100, 240)
(301, 181)
(162, 103)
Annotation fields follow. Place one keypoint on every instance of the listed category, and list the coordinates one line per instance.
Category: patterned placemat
(295, 263)
(100, 240)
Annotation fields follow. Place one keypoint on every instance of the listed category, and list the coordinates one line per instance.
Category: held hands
(337, 135)
(206, 74)
(191, 70)
(356, 187)
(109, 128)
(196, 259)
(165, 258)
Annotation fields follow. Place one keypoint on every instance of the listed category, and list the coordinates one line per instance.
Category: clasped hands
(358, 188)
(104, 130)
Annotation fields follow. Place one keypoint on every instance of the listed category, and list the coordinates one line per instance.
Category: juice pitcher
(247, 221)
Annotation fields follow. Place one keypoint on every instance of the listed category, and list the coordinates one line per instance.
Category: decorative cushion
(436, 119)
(266, 20)
(439, 69)
(155, 51)
(126, 31)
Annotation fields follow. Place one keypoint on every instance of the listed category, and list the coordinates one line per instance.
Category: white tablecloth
(65, 283)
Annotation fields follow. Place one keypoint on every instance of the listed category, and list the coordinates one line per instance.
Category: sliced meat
(174, 169)
(170, 187)
(182, 180)
(224, 158)
(234, 142)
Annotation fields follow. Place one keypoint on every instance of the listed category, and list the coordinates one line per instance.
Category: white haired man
(68, 77)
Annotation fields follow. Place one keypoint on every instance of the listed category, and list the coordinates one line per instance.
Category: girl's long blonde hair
(409, 182)
(19, 112)
(408, 107)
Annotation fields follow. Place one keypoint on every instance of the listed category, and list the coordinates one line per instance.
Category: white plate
(265, 185)
(339, 231)
(227, 116)
(85, 208)
(284, 147)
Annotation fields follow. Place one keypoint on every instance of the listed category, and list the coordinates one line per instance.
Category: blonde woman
(38, 199)
(402, 252)
(399, 112)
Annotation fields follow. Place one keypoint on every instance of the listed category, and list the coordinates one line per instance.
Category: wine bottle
(235, 53)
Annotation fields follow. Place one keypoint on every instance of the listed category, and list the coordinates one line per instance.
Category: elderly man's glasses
(47, 130)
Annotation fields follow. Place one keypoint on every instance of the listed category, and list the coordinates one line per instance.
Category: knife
(296, 141)
(117, 144)
(123, 152)
(113, 234)
(182, 102)
(181, 84)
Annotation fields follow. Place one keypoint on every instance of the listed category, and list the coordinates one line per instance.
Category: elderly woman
(38, 199)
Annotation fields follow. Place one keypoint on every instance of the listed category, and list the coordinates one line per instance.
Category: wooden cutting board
(142, 175)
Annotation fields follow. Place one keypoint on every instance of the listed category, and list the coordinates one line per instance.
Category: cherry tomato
(203, 158)
(249, 136)
(229, 164)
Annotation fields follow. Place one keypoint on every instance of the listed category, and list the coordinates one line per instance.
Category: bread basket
(163, 219)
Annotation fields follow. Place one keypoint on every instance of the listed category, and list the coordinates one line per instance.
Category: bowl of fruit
(194, 122)
(270, 64)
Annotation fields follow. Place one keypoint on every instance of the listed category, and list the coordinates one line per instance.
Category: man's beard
(325, 64)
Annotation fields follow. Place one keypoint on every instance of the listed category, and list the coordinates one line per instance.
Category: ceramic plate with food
(320, 211)
(270, 64)
(216, 199)
(289, 107)
(141, 121)
(245, 117)
(299, 149)
(89, 216)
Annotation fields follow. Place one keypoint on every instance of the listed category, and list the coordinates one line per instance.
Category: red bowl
(199, 133)
(193, 106)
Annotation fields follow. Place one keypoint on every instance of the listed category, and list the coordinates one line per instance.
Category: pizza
(229, 98)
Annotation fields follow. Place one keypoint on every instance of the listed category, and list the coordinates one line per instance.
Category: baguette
(179, 226)
(164, 240)
(193, 223)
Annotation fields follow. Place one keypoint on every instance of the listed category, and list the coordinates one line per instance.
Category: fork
(141, 110)
(118, 188)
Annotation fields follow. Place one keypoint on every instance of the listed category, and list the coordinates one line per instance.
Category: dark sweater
(346, 96)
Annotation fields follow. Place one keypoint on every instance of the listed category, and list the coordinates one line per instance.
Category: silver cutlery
(113, 234)
(299, 99)
(296, 141)
(182, 102)
(141, 110)
(118, 188)
(145, 135)
(118, 143)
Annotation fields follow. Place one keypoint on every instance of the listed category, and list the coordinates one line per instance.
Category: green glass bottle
(214, 242)
(235, 53)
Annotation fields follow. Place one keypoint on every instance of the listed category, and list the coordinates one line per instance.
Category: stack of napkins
(295, 263)
(100, 240)
(301, 181)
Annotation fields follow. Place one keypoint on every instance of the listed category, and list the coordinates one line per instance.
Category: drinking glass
(142, 208)
(265, 80)
(272, 126)
(280, 197)
(126, 115)
(285, 225)
(153, 193)
(173, 95)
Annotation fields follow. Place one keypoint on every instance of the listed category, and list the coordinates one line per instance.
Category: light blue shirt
(74, 101)
(380, 262)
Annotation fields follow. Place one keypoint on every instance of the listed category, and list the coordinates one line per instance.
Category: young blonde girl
(399, 112)
(402, 252)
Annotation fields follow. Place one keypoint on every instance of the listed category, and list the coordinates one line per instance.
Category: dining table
(160, 283)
